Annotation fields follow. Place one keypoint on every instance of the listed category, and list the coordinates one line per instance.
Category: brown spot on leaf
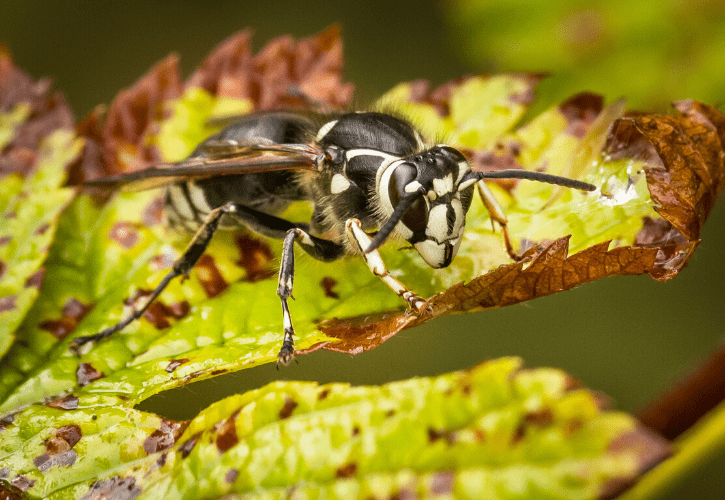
(442, 483)
(209, 276)
(161, 461)
(153, 214)
(22, 483)
(542, 418)
(158, 312)
(41, 229)
(288, 408)
(73, 312)
(46, 461)
(85, 374)
(164, 437)
(35, 279)
(389, 413)
(231, 475)
(4, 240)
(194, 375)
(124, 233)
(69, 402)
(70, 434)
(114, 488)
(9, 494)
(328, 284)
(323, 394)
(355, 430)
(188, 445)
(573, 426)
(255, 257)
(162, 261)
(346, 471)
(519, 434)
(175, 363)
(4, 472)
(8, 303)
(226, 432)
(436, 434)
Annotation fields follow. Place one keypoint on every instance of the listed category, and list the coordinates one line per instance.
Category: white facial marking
(339, 184)
(352, 153)
(433, 253)
(412, 187)
(458, 210)
(325, 129)
(444, 185)
(382, 181)
(437, 227)
(463, 169)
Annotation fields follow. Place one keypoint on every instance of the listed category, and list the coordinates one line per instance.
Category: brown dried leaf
(47, 113)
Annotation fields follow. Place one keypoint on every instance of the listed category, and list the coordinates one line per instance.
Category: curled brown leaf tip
(47, 112)
(684, 157)
(312, 66)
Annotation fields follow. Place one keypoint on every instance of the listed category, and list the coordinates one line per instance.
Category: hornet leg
(182, 266)
(377, 266)
(497, 214)
(318, 248)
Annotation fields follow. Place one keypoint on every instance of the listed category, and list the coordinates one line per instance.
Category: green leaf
(30, 210)
(494, 431)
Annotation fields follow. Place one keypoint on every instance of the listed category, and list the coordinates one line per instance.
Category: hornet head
(426, 197)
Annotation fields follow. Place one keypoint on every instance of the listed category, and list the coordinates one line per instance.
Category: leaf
(35, 149)
(494, 431)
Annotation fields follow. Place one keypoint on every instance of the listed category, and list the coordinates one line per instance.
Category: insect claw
(285, 356)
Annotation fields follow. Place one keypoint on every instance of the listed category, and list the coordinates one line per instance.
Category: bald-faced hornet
(363, 172)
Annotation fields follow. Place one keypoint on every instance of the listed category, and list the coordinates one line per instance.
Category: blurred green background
(628, 337)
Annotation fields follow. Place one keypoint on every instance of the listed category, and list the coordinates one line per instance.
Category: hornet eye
(416, 218)
(404, 174)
